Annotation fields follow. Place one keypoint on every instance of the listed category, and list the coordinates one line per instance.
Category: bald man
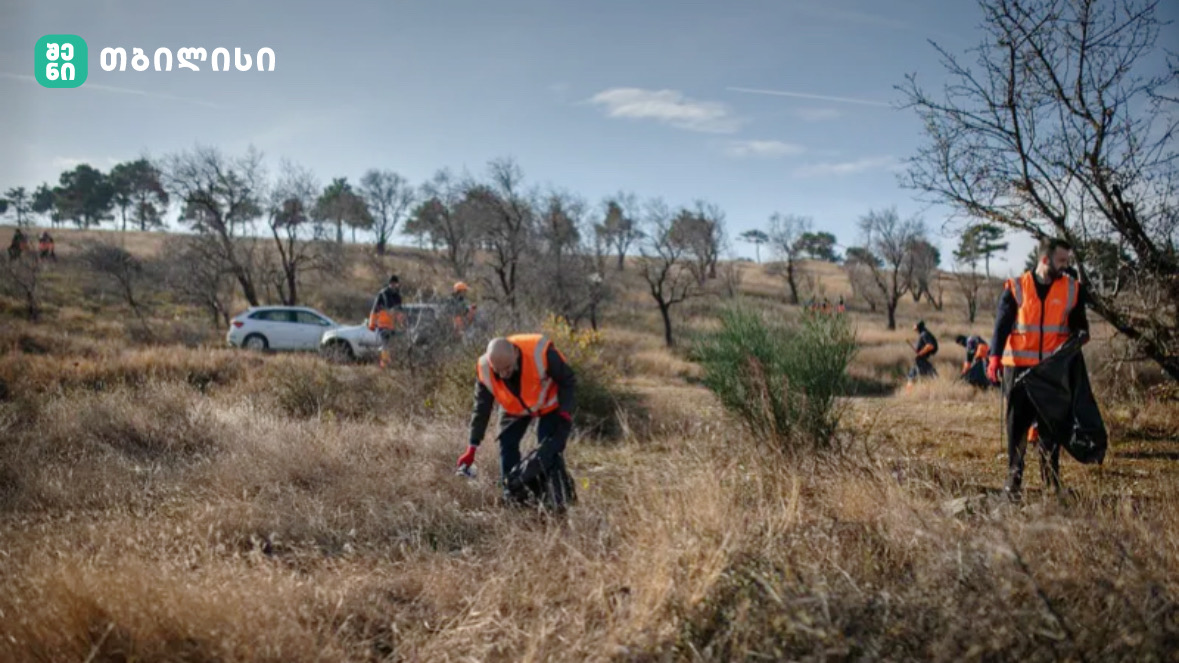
(528, 378)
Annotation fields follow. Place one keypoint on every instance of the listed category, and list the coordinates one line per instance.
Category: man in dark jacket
(385, 315)
(528, 378)
(1037, 312)
(974, 367)
(925, 349)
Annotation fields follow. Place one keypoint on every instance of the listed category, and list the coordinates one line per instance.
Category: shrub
(781, 378)
(601, 399)
(306, 387)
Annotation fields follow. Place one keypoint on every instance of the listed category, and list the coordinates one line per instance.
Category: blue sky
(677, 99)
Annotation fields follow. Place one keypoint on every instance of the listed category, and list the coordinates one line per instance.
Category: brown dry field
(182, 501)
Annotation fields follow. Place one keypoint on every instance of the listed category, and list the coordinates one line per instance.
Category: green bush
(781, 378)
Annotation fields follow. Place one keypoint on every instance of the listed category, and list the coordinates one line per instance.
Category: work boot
(1013, 489)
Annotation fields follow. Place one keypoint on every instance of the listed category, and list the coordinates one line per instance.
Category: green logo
(61, 61)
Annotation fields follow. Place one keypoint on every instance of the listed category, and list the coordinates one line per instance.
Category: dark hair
(394, 279)
(960, 340)
(1048, 245)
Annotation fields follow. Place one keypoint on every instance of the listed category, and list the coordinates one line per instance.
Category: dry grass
(172, 503)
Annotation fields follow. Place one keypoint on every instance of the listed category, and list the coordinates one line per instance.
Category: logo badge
(61, 61)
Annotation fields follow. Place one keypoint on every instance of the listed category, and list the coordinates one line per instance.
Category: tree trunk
(123, 213)
(292, 281)
(381, 241)
(791, 283)
(248, 290)
(621, 259)
(892, 314)
(665, 311)
(339, 231)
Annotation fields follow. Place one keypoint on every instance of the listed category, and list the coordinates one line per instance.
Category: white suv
(357, 342)
(279, 328)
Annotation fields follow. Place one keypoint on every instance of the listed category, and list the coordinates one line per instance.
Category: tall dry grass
(172, 503)
(154, 521)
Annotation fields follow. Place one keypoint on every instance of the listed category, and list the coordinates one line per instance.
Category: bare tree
(619, 228)
(891, 241)
(197, 273)
(701, 231)
(446, 218)
(969, 284)
(861, 267)
(560, 276)
(125, 271)
(925, 259)
(22, 279)
(731, 276)
(222, 199)
(292, 199)
(389, 197)
(786, 231)
(665, 263)
(507, 226)
(1057, 130)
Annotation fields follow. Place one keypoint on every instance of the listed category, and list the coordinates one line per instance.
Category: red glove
(994, 369)
(468, 457)
(566, 416)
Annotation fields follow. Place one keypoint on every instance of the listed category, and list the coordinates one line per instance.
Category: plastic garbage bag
(1059, 389)
(530, 482)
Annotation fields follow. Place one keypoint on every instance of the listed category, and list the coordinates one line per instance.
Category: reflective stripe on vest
(1041, 327)
(538, 393)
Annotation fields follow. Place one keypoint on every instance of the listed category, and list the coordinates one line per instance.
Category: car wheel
(338, 351)
(256, 342)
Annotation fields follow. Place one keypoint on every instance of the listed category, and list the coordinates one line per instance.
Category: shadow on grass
(868, 387)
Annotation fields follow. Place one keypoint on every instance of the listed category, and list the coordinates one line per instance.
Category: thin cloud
(818, 114)
(70, 163)
(808, 95)
(762, 148)
(841, 168)
(119, 90)
(670, 107)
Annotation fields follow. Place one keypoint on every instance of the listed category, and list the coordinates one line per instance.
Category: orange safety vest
(538, 392)
(462, 320)
(386, 320)
(1041, 327)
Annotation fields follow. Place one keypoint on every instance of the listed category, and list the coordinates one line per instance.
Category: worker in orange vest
(464, 313)
(528, 378)
(1038, 312)
(974, 368)
(387, 316)
(45, 247)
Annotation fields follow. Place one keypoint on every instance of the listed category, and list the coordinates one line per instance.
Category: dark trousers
(552, 433)
(922, 368)
(1021, 414)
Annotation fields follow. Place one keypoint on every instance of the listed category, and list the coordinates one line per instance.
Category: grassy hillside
(173, 499)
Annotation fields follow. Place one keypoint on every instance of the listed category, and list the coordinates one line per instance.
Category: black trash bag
(531, 483)
(1059, 389)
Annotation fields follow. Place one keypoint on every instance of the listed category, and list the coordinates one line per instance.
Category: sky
(759, 106)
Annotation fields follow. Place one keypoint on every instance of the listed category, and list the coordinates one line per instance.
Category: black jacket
(387, 299)
(559, 371)
(1005, 316)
